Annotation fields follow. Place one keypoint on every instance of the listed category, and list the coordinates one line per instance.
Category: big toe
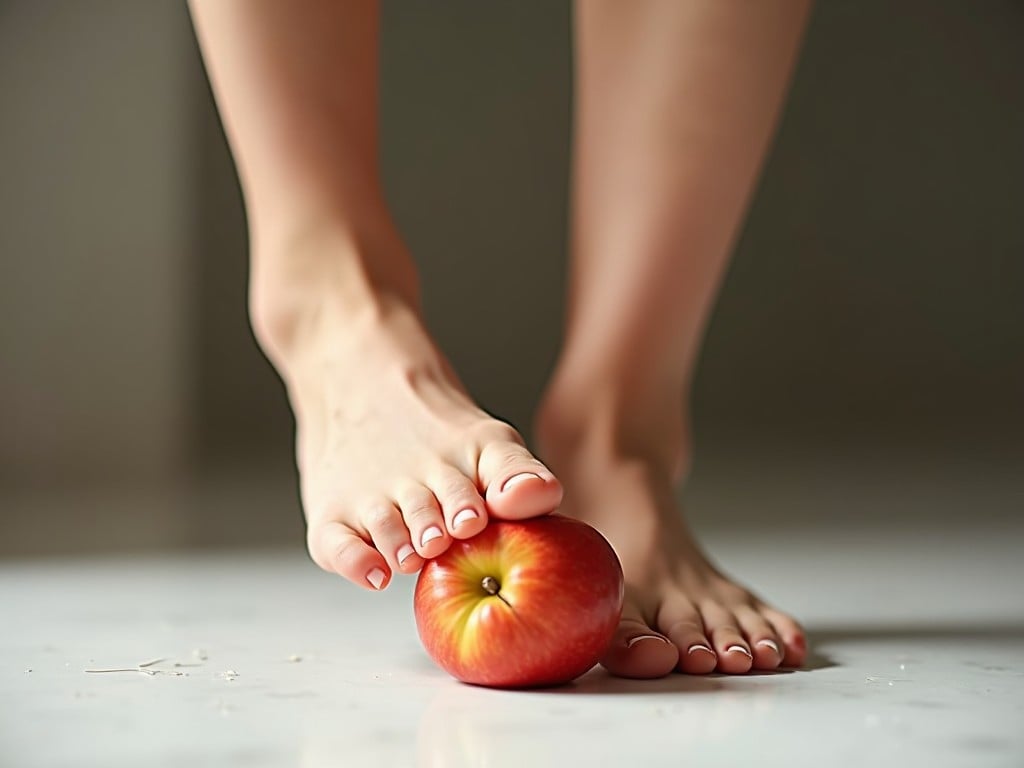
(638, 651)
(517, 484)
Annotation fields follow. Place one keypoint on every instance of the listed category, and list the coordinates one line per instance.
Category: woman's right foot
(394, 457)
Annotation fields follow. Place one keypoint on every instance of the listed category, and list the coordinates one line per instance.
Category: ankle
(602, 423)
(308, 273)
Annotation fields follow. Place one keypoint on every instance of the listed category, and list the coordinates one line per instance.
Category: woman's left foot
(680, 612)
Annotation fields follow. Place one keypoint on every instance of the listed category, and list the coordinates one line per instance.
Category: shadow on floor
(868, 633)
(598, 681)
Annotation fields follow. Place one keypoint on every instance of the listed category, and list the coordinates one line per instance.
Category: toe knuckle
(344, 551)
(733, 595)
(519, 460)
(380, 517)
(681, 626)
(420, 514)
(457, 488)
(497, 432)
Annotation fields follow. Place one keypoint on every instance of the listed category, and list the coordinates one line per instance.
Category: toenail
(404, 552)
(634, 640)
(433, 532)
(769, 644)
(464, 517)
(740, 649)
(699, 647)
(375, 577)
(516, 479)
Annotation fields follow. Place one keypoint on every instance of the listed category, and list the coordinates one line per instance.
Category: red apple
(522, 604)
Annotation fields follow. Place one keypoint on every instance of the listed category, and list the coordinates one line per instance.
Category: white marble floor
(920, 661)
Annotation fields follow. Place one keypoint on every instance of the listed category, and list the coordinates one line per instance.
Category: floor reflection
(600, 720)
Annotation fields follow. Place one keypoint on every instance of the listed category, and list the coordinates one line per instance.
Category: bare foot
(395, 458)
(680, 612)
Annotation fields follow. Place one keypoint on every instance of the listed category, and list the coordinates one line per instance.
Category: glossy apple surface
(523, 604)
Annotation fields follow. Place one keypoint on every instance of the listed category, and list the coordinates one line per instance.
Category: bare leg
(676, 103)
(395, 458)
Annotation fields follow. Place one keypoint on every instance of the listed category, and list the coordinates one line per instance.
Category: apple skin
(558, 602)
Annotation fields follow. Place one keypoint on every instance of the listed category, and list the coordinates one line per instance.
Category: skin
(397, 461)
(676, 103)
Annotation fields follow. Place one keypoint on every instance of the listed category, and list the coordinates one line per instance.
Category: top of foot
(395, 459)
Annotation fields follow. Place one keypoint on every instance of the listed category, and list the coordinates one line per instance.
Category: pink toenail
(699, 647)
(516, 479)
(375, 577)
(404, 552)
(740, 649)
(464, 517)
(433, 532)
(769, 644)
(634, 640)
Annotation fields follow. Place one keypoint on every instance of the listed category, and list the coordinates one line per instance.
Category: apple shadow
(599, 681)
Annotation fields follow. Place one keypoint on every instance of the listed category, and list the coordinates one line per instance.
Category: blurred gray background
(870, 334)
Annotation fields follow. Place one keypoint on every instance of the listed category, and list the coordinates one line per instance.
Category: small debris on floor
(142, 670)
(229, 675)
(145, 668)
(294, 657)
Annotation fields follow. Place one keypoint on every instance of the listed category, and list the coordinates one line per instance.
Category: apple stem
(490, 585)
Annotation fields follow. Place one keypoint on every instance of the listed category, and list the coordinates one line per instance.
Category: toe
(464, 512)
(794, 639)
(517, 484)
(422, 515)
(734, 656)
(681, 622)
(638, 651)
(337, 548)
(390, 536)
(762, 639)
